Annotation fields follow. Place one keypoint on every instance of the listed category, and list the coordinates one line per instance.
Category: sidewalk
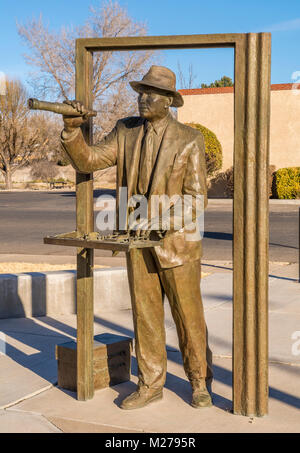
(31, 402)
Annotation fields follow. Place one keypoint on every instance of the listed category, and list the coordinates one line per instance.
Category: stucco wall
(285, 129)
(215, 111)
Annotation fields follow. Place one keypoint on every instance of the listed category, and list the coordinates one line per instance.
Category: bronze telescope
(57, 107)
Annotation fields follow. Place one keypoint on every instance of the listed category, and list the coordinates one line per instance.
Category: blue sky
(167, 17)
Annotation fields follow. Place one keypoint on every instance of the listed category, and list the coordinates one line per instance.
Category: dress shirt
(149, 151)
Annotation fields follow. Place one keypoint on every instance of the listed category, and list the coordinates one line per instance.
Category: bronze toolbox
(111, 361)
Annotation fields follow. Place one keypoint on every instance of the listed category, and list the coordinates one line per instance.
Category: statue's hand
(73, 122)
(145, 228)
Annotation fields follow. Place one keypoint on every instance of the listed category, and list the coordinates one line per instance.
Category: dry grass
(18, 268)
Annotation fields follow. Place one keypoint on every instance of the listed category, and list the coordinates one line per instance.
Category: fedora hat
(163, 80)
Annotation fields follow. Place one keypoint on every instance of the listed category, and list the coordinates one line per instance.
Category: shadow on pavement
(39, 362)
(96, 193)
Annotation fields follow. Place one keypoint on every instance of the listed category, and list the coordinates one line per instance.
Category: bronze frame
(250, 246)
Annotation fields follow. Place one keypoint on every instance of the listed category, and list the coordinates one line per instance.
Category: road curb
(54, 292)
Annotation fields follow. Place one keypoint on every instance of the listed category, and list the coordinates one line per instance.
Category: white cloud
(288, 25)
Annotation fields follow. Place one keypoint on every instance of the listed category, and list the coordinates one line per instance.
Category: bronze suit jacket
(180, 169)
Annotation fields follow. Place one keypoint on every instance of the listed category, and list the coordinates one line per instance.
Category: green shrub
(272, 172)
(213, 149)
(227, 177)
(43, 170)
(287, 183)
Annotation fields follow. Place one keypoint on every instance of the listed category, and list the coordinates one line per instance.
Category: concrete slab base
(29, 371)
(26, 423)
(173, 413)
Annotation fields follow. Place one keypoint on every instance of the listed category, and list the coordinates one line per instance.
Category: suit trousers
(148, 284)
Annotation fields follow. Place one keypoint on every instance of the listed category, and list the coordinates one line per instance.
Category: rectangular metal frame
(250, 217)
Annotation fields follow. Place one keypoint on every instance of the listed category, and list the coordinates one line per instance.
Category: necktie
(146, 160)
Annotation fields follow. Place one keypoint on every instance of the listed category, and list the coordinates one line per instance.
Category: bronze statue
(156, 155)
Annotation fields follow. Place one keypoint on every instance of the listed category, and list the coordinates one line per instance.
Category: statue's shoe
(201, 399)
(201, 396)
(141, 398)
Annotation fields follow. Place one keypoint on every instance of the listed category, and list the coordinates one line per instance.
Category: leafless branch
(52, 54)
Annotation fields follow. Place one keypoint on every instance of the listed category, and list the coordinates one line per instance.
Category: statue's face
(153, 105)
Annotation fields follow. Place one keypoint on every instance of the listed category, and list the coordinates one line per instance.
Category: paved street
(26, 217)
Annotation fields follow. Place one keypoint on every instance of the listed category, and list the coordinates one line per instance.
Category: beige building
(213, 108)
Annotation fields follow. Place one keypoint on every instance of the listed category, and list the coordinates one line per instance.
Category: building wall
(285, 129)
(215, 111)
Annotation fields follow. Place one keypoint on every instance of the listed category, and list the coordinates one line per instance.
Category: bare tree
(44, 170)
(49, 127)
(186, 81)
(53, 56)
(20, 135)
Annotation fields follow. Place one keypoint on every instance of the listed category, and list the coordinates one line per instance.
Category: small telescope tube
(57, 107)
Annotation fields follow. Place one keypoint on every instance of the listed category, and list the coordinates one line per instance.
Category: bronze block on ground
(111, 362)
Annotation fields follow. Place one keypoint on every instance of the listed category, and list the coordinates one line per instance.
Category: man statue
(156, 155)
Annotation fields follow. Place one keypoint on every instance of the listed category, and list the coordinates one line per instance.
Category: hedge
(227, 177)
(286, 184)
(213, 149)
